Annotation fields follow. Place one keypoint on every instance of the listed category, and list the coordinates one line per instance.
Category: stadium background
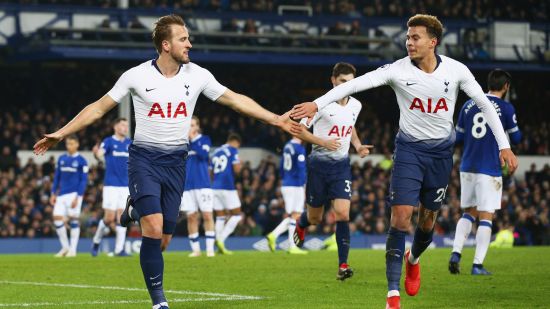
(58, 56)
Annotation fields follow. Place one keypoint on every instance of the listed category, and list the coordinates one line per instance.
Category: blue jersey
(293, 165)
(71, 175)
(116, 161)
(481, 153)
(222, 167)
(197, 176)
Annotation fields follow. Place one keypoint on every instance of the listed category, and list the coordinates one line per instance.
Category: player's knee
(314, 219)
(207, 216)
(192, 217)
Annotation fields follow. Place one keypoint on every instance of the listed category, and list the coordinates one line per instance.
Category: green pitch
(267, 280)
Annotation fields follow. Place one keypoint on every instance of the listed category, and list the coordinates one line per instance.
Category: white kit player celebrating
(114, 151)
(480, 170)
(164, 92)
(293, 174)
(198, 192)
(69, 184)
(426, 86)
(225, 166)
(329, 168)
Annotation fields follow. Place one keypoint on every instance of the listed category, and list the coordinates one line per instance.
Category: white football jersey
(334, 121)
(426, 100)
(164, 106)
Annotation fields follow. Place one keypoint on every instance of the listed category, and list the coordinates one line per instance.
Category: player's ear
(165, 45)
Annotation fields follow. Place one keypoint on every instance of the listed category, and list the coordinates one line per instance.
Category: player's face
(194, 129)
(180, 44)
(340, 79)
(121, 128)
(419, 43)
(71, 145)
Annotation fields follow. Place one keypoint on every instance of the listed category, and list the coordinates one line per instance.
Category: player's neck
(72, 153)
(498, 94)
(119, 137)
(168, 66)
(427, 64)
(344, 101)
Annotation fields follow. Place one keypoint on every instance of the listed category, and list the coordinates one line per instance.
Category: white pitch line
(114, 302)
(85, 286)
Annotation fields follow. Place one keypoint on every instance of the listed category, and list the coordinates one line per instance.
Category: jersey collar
(437, 57)
(154, 63)
(196, 138)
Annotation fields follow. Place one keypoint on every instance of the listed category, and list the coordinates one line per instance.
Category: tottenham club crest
(446, 86)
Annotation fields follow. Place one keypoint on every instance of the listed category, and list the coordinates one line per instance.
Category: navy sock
(421, 241)
(395, 248)
(342, 239)
(152, 265)
(303, 222)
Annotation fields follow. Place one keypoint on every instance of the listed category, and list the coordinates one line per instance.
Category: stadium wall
(256, 155)
(132, 245)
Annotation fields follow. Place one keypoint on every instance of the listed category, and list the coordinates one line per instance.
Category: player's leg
(341, 211)
(490, 195)
(59, 218)
(103, 227)
(295, 211)
(316, 197)
(120, 238)
(219, 211)
(74, 223)
(288, 197)
(206, 206)
(189, 206)
(233, 205)
(468, 202)
(312, 216)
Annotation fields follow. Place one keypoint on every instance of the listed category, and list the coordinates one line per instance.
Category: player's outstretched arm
(246, 106)
(305, 135)
(362, 150)
(87, 116)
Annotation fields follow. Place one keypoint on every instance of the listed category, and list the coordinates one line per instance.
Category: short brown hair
(196, 118)
(119, 120)
(163, 31)
(72, 137)
(234, 137)
(433, 26)
(343, 68)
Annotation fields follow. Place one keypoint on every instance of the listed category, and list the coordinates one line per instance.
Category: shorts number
(441, 194)
(205, 198)
(479, 129)
(287, 161)
(220, 163)
(348, 186)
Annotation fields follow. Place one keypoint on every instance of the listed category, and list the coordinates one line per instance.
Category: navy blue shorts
(157, 189)
(417, 178)
(326, 181)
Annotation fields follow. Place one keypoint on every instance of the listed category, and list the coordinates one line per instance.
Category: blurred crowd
(531, 10)
(25, 212)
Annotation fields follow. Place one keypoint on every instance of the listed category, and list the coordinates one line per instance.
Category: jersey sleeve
(235, 157)
(204, 149)
(381, 76)
(212, 89)
(56, 177)
(469, 85)
(105, 146)
(121, 87)
(83, 179)
(511, 125)
(460, 125)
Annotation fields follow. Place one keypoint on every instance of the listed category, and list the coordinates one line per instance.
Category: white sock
(75, 234)
(291, 228)
(393, 293)
(62, 233)
(210, 237)
(413, 260)
(194, 241)
(230, 226)
(483, 238)
(120, 238)
(463, 229)
(220, 223)
(281, 228)
(100, 232)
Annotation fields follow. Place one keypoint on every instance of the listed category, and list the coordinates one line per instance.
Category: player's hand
(74, 202)
(307, 109)
(95, 149)
(52, 199)
(332, 144)
(364, 150)
(507, 157)
(48, 141)
(284, 123)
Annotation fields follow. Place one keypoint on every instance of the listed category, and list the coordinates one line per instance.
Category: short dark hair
(433, 26)
(196, 118)
(72, 137)
(234, 137)
(497, 79)
(118, 120)
(163, 29)
(343, 68)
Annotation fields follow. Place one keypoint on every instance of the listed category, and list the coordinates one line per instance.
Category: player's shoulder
(139, 69)
(81, 158)
(356, 104)
(195, 69)
(452, 63)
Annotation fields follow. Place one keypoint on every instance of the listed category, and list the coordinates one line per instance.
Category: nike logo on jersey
(147, 89)
(331, 115)
(410, 84)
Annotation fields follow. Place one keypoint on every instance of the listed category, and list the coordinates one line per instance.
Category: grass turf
(519, 280)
